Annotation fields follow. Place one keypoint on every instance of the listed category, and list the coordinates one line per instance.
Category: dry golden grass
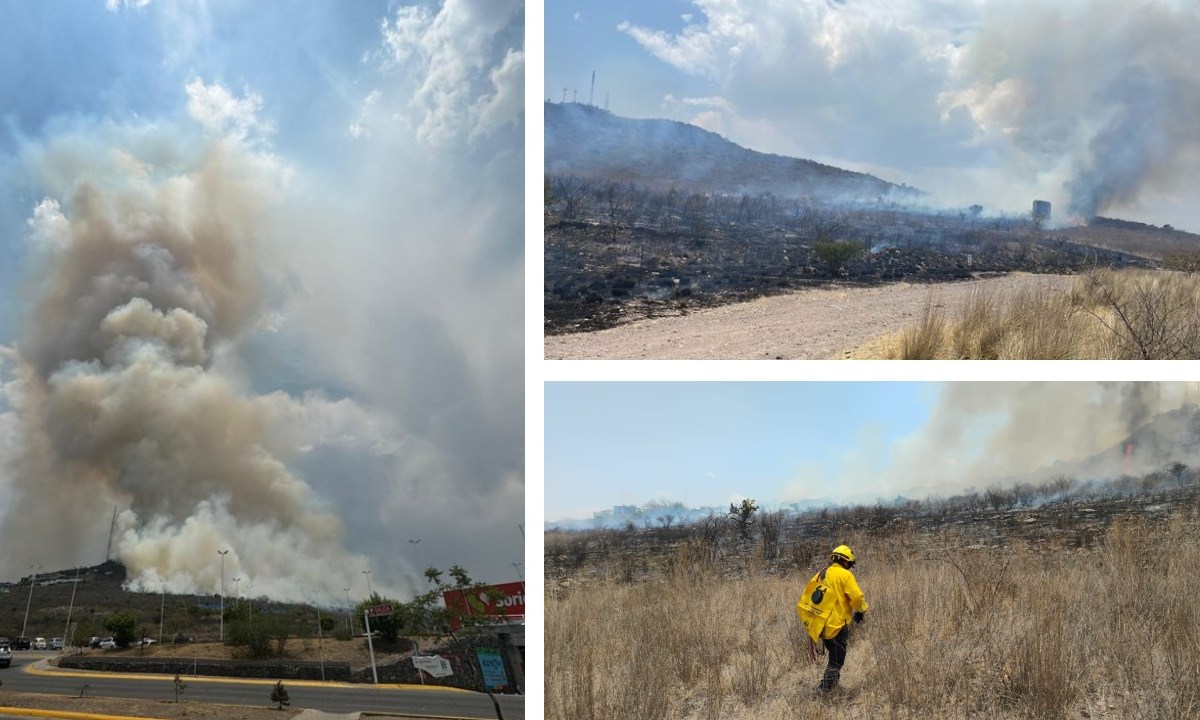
(954, 633)
(1106, 315)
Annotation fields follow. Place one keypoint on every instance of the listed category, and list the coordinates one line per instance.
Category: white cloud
(114, 5)
(221, 113)
(466, 63)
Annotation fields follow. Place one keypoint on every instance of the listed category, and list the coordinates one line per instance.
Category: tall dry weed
(1013, 632)
(1106, 314)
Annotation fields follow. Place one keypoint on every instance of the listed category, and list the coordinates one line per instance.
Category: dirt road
(806, 325)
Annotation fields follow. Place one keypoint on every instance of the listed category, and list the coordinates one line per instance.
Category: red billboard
(505, 601)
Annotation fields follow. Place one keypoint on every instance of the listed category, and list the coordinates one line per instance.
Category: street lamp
(349, 612)
(222, 553)
(32, 582)
(368, 574)
(416, 551)
(237, 595)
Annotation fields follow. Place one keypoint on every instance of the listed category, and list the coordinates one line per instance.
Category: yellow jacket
(840, 598)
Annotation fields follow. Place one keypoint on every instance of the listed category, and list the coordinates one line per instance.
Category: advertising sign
(435, 665)
(503, 601)
(379, 610)
(492, 666)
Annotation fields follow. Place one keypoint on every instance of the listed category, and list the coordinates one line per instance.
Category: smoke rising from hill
(1104, 92)
(146, 275)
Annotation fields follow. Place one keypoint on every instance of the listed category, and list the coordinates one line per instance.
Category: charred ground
(615, 253)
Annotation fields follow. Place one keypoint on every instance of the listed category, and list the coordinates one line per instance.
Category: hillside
(589, 142)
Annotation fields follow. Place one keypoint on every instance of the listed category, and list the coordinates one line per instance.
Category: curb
(43, 668)
(65, 714)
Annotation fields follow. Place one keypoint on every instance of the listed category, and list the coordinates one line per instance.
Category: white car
(108, 644)
(5, 656)
(39, 643)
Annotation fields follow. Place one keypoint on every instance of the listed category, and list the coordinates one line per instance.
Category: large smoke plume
(1102, 93)
(983, 433)
(147, 276)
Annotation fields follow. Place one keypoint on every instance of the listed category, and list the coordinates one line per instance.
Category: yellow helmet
(843, 552)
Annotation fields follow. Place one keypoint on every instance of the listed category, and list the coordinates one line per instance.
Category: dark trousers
(835, 648)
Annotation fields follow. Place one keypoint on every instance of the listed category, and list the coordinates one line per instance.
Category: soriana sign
(504, 601)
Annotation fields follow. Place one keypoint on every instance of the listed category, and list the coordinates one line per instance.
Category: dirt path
(806, 325)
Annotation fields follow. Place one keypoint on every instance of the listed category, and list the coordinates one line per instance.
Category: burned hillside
(616, 251)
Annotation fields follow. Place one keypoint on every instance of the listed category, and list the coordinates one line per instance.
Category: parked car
(21, 643)
(148, 641)
(94, 642)
(56, 643)
(39, 643)
(5, 656)
(107, 643)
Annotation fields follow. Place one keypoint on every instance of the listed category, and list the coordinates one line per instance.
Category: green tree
(123, 626)
(279, 694)
(743, 515)
(834, 254)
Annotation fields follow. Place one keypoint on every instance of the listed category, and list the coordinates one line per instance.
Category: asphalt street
(330, 697)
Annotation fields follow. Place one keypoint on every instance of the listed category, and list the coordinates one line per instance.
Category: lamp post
(222, 553)
(368, 574)
(32, 582)
(349, 607)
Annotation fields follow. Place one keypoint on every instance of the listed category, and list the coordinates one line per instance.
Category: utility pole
(349, 627)
(67, 632)
(112, 529)
(593, 90)
(32, 582)
(222, 553)
(320, 655)
(368, 574)
(162, 613)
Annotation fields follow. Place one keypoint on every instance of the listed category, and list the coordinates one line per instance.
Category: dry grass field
(1028, 628)
(1105, 315)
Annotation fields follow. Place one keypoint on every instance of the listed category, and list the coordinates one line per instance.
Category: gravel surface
(806, 325)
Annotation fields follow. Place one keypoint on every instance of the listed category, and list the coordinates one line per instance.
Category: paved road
(330, 697)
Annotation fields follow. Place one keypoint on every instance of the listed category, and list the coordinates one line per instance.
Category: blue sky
(711, 443)
(707, 443)
(1081, 102)
(305, 218)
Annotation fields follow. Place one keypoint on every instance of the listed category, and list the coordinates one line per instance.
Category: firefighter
(831, 601)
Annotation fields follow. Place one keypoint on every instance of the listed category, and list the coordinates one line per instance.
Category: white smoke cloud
(984, 433)
(223, 114)
(1084, 102)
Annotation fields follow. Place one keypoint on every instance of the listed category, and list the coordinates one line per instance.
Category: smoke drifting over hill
(1088, 103)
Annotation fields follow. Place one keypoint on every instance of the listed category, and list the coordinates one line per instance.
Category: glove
(860, 617)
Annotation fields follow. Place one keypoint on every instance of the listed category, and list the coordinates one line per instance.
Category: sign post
(370, 646)
(374, 611)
